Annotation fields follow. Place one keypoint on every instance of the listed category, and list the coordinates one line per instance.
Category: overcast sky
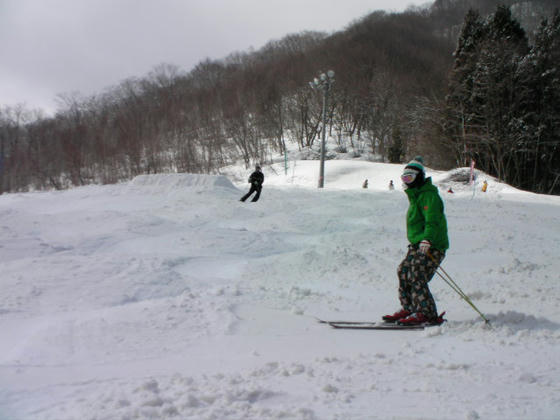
(49, 47)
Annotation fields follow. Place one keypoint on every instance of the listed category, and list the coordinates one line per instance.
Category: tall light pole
(324, 82)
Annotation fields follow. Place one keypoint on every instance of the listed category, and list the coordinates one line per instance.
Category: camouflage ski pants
(414, 272)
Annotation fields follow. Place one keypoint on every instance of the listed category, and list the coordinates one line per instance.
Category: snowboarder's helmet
(417, 164)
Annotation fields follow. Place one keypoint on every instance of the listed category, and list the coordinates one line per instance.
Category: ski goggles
(409, 176)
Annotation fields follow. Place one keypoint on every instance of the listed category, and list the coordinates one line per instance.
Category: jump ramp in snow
(171, 182)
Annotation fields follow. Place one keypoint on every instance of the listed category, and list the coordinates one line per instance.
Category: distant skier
(484, 186)
(256, 180)
(427, 233)
(391, 185)
(450, 191)
(365, 184)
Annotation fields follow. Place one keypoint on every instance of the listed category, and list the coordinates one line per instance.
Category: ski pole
(467, 299)
(447, 278)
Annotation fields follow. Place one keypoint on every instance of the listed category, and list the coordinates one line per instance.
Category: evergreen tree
(496, 100)
(486, 98)
(549, 128)
(538, 129)
(459, 107)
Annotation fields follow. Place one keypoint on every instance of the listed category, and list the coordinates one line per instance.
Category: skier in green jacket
(426, 227)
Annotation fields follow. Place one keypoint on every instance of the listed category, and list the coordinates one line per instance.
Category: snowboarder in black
(256, 180)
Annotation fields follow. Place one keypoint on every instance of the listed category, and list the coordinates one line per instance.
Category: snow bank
(168, 182)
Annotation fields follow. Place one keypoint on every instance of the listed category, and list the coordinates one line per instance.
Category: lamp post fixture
(324, 82)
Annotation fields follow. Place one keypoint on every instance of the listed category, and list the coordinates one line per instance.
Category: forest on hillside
(458, 80)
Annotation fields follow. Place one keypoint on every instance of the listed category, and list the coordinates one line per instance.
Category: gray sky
(50, 47)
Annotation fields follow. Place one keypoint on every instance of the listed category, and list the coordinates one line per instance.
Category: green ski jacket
(425, 218)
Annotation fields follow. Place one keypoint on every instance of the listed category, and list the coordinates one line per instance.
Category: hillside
(390, 96)
(165, 297)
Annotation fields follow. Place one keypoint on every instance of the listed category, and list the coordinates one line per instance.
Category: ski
(374, 326)
(345, 322)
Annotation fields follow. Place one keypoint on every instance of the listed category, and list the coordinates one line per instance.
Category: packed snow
(167, 298)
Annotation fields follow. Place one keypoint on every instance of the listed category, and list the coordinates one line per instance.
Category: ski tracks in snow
(167, 298)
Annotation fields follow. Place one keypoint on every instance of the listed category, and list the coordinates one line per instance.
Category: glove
(424, 246)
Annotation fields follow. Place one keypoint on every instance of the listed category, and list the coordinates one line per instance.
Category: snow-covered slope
(168, 298)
